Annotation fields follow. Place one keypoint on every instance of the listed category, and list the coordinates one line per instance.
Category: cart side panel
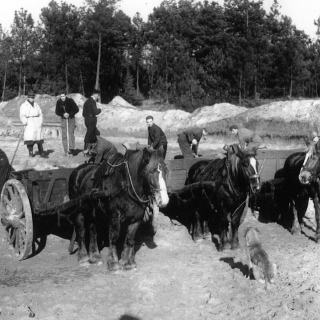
(178, 172)
(270, 161)
(49, 188)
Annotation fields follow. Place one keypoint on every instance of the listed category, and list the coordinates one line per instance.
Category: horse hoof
(84, 264)
(96, 259)
(225, 247)
(130, 266)
(207, 236)
(295, 232)
(235, 246)
(96, 262)
(197, 239)
(113, 266)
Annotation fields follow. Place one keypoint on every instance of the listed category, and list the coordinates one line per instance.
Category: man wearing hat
(156, 137)
(66, 109)
(90, 112)
(31, 117)
(247, 138)
(189, 142)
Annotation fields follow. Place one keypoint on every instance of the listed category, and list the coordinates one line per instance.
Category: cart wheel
(16, 217)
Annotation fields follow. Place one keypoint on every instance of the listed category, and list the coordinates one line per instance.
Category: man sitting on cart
(248, 139)
(103, 150)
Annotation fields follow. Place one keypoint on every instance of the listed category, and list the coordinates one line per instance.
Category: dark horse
(235, 176)
(301, 172)
(128, 184)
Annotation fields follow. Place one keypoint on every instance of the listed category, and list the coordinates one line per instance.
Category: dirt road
(175, 279)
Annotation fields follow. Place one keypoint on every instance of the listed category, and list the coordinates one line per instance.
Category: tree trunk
(167, 79)
(24, 85)
(20, 80)
(240, 85)
(316, 83)
(4, 81)
(81, 83)
(97, 85)
(67, 86)
(138, 90)
(290, 93)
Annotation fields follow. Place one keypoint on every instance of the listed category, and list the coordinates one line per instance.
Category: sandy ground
(175, 279)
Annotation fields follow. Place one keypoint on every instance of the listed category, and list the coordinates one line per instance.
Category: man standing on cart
(156, 137)
(66, 109)
(90, 112)
(189, 141)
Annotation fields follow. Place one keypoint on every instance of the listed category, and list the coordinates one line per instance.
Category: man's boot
(71, 152)
(86, 148)
(30, 148)
(41, 152)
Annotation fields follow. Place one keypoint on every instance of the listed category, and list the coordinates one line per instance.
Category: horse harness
(134, 197)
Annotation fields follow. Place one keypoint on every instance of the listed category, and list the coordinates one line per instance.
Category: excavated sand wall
(283, 120)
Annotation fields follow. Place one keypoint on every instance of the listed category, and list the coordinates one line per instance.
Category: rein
(141, 200)
(131, 182)
(311, 171)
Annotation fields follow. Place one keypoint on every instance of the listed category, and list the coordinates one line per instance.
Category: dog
(259, 264)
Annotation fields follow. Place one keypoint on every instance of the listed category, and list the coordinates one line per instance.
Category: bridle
(254, 176)
(305, 167)
(151, 197)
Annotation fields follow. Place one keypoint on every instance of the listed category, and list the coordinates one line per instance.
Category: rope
(141, 200)
(130, 179)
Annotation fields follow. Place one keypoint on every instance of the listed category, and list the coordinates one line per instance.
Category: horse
(235, 176)
(128, 184)
(301, 172)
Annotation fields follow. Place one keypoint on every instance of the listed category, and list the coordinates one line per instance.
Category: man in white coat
(31, 117)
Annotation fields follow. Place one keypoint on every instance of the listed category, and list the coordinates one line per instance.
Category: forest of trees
(188, 53)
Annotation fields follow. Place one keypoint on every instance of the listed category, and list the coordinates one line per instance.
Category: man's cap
(149, 117)
(31, 94)
(234, 126)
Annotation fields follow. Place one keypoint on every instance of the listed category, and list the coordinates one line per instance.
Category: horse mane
(213, 168)
(234, 160)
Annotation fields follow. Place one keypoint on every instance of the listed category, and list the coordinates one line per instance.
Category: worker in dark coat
(189, 142)
(248, 139)
(66, 109)
(90, 112)
(103, 150)
(156, 137)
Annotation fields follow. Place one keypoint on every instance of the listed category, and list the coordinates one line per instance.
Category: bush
(134, 99)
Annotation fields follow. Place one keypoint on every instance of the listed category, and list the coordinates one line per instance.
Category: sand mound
(120, 102)
(283, 118)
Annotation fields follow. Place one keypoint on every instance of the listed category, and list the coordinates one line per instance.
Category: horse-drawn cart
(31, 195)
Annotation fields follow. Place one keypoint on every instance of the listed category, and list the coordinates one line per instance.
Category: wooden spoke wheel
(16, 217)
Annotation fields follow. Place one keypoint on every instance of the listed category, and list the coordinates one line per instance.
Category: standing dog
(263, 270)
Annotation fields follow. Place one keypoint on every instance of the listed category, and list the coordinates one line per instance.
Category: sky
(302, 12)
